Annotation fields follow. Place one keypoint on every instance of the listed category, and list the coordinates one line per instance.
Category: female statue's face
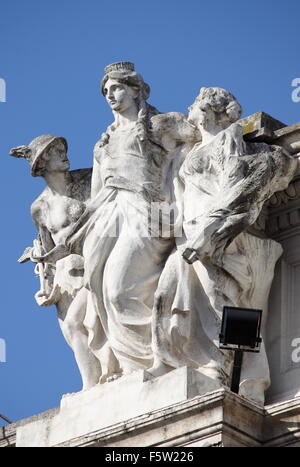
(56, 158)
(200, 113)
(119, 96)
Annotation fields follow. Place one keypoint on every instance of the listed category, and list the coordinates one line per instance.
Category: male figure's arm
(96, 183)
(173, 129)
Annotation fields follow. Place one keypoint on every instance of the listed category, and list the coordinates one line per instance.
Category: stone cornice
(282, 210)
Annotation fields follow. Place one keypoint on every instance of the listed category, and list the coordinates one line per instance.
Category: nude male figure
(55, 212)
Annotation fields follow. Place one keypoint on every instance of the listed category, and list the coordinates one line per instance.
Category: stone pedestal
(113, 403)
(182, 408)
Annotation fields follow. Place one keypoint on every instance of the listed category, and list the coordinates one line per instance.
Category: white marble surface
(126, 299)
(110, 403)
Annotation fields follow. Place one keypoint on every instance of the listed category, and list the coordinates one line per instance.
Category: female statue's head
(121, 85)
(214, 106)
(123, 88)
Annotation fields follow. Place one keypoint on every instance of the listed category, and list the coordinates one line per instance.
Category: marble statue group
(140, 253)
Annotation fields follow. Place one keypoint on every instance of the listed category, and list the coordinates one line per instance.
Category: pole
(236, 372)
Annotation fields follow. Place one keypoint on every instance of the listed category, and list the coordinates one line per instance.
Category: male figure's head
(46, 153)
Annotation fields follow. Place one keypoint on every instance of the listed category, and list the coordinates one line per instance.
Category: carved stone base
(182, 408)
(109, 404)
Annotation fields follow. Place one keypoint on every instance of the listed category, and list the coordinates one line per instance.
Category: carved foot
(105, 378)
(159, 369)
(113, 377)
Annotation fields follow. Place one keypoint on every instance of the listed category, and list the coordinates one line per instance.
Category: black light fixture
(240, 331)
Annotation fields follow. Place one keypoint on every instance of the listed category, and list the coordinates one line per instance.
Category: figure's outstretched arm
(96, 183)
(173, 129)
(58, 252)
(46, 239)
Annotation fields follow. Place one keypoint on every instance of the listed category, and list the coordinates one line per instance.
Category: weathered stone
(215, 419)
(112, 403)
(260, 127)
(126, 300)
(55, 212)
(224, 185)
(288, 137)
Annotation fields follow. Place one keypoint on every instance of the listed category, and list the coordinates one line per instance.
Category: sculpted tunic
(225, 184)
(123, 254)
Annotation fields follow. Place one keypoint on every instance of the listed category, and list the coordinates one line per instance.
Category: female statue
(123, 248)
(124, 253)
(225, 183)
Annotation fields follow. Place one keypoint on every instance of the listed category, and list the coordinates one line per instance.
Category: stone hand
(58, 252)
(42, 299)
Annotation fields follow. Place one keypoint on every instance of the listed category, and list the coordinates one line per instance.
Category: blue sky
(52, 56)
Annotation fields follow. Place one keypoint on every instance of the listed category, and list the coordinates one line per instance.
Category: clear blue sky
(52, 55)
